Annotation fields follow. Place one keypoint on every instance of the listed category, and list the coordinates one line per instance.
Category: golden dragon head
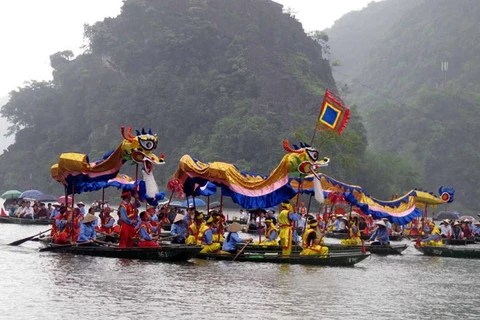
(303, 159)
(139, 148)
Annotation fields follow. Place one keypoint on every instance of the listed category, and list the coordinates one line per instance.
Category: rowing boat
(29, 221)
(452, 252)
(333, 259)
(171, 252)
(458, 242)
(343, 235)
(334, 247)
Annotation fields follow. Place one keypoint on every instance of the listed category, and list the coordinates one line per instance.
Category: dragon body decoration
(247, 189)
(78, 174)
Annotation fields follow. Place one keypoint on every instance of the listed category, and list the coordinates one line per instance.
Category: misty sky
(32, 30)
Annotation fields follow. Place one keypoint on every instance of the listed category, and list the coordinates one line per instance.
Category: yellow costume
(354, 239)
(206, 238)
(309, 246)
(270, 227)
(286, 230)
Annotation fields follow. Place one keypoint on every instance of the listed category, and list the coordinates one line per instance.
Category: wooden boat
(333, 259)
(169, 252)
(452, 252)
(29, 221)
(334, 247)
(458, 242)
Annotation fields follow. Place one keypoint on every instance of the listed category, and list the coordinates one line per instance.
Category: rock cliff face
(219, 79)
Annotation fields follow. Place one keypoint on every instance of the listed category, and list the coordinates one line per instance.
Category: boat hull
(40, 222)
(334, 247)
(334, 259)
(164, 253)
(462, 253)
(341, 235)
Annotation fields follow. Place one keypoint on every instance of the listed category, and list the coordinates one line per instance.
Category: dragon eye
(147, 144)
(313, 154)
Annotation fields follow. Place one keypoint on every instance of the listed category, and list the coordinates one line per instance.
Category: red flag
(333, 114)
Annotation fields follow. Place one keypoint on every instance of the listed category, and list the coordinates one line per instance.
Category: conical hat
(381, 223)
(178, 217)
(234, 227)
(89, 218)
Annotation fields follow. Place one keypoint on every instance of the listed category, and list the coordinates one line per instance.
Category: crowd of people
(29, 209)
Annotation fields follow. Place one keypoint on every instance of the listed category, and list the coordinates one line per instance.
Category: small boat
(386, 249)
(344, 235)
(452, 252)
(333, 259)
(29, 221)
(171, 252)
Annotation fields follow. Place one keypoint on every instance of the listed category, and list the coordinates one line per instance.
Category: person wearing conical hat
(476, 229)
(144, 232)
(179, 229)
(271, 234)
(286, 220)
(87, 230)
(457, 232)
(312, 241)
(194, 228)
(354, 235)
(445, 229)
(207, 237)
(380, 236)
(232, 239)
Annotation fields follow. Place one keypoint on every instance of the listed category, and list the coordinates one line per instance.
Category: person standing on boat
(128, 219)
(232, 239)
(380, 236)
(207, 237)
(106, 221)
(312, 241)
(87, 229)
(179, 229)
(286, 218)
(144, 232)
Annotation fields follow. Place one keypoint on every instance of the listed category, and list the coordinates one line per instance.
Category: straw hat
(56, 204)
(457, 224)
(80, 204)
(234, 227)
(178, 217)
(89, 218)
(381, 223)
(477, 223)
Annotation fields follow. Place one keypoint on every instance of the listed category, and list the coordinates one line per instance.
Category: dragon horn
(129, 132)
(138, 132)
(125, 136)
(150, 132)
(287, 147)
(143, 131)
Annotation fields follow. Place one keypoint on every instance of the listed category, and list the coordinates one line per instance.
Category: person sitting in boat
(43, 212)
(232, 239)
(81, 206)
(341, 224)
(271, 234)
(13, 208)
(144, 232)
(467, 229)
(380, 236)
(476, 229)
(179, 229)
(286, 218)
(354, 235)
(207, 237)
(87, 229)
(457, 232)
(312, 241)
(219, 221)
(128, 219)
(434, 239)
(302, 210)
(445, 229)
(243, 215)
(194, 228)
(27, 211)
(271, 215)
(55, 210)
(106, 221)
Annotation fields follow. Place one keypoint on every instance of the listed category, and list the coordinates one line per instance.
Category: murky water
(49, 285)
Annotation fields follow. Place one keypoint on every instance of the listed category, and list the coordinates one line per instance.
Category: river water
(49, 285)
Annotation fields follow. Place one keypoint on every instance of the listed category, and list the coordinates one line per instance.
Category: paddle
(241, 250)
(61, 246)
(19, 242)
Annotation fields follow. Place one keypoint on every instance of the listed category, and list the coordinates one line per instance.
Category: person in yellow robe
(271, 234)
(207, 237)
(311, 241)
(193, 229)
(286, 218)
(354, 235)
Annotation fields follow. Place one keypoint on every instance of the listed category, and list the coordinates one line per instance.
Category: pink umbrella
(61, 200)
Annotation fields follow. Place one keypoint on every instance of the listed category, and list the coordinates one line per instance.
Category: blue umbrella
(31, 194)
(45, 198)
(177, 204)
(198, 203)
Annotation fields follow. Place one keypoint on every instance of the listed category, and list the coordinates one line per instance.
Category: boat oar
(241, 250)
(19, 242)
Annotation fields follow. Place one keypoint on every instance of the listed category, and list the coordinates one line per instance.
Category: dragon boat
(333, 247)
(25, 221)
(458, 242)
(169, 253)
(451, 252)
(333, 259)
